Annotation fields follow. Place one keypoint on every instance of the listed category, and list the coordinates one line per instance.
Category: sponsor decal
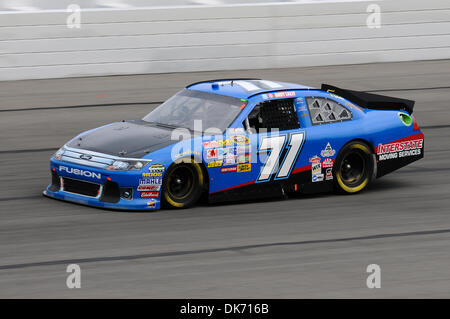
(244, 168)
(147, 188)
(150, 181)
(149, 194)
(328, 162)
(156, 168)
(240, 139)
(317, 178)
(212, 153)
(215, 164)
(329, 174)
(229, 159)
(244, 158)
(316, 168)
(151, 203)
(399, 149)
(328, 151)
(315, 159)
(80, 172)
(222, 143)
(233, 151)
(283, 94)
(243, 149)
(301, 108)
(152, 174)
(221, 152)
(400, 146)
(210, 144)
(228, 169)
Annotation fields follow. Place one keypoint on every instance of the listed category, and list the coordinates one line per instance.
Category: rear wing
(370, 100)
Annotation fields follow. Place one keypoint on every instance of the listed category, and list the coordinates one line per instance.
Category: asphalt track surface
(309, 246)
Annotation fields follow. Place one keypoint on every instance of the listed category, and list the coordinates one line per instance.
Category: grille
(80, 187)
(76, 157)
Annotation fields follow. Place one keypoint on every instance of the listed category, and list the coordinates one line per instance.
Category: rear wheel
(183, 183)
(353, 168)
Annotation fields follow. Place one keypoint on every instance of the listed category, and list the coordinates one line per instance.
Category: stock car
(233, 139)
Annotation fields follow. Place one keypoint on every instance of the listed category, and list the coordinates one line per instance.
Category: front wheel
(353, 168)
(183, 183)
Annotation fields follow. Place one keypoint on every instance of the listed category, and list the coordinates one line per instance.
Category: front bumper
(111, 185)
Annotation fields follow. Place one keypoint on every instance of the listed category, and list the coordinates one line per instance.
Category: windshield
(183, 108)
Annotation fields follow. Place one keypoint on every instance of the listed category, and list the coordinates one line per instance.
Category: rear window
(323, 110)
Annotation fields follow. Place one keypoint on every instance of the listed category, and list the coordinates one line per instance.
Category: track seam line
(32, 150)
(20, 198)
(214, 250)
(77, 106)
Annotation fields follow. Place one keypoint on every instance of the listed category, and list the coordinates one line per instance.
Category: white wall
(159, 40)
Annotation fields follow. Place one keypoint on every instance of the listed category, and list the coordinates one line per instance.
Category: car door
(277, 137)
(258, 157)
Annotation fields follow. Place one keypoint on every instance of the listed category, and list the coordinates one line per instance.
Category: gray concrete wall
(35, 45)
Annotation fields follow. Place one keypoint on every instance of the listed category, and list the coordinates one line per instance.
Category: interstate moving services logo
(399, 149)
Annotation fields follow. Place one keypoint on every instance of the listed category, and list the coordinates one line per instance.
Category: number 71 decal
(275, 145)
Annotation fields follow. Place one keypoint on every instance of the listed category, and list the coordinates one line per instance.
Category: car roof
(244, 88)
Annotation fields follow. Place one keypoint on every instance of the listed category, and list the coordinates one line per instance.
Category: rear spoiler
(370, 100)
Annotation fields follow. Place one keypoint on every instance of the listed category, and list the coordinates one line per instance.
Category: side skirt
(297, 183)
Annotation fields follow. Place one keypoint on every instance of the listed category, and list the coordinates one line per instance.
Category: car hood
(133, 139)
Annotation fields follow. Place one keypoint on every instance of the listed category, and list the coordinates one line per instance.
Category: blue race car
(238, 139)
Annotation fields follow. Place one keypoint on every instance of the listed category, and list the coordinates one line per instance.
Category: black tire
(183, 184)
(353, 168)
